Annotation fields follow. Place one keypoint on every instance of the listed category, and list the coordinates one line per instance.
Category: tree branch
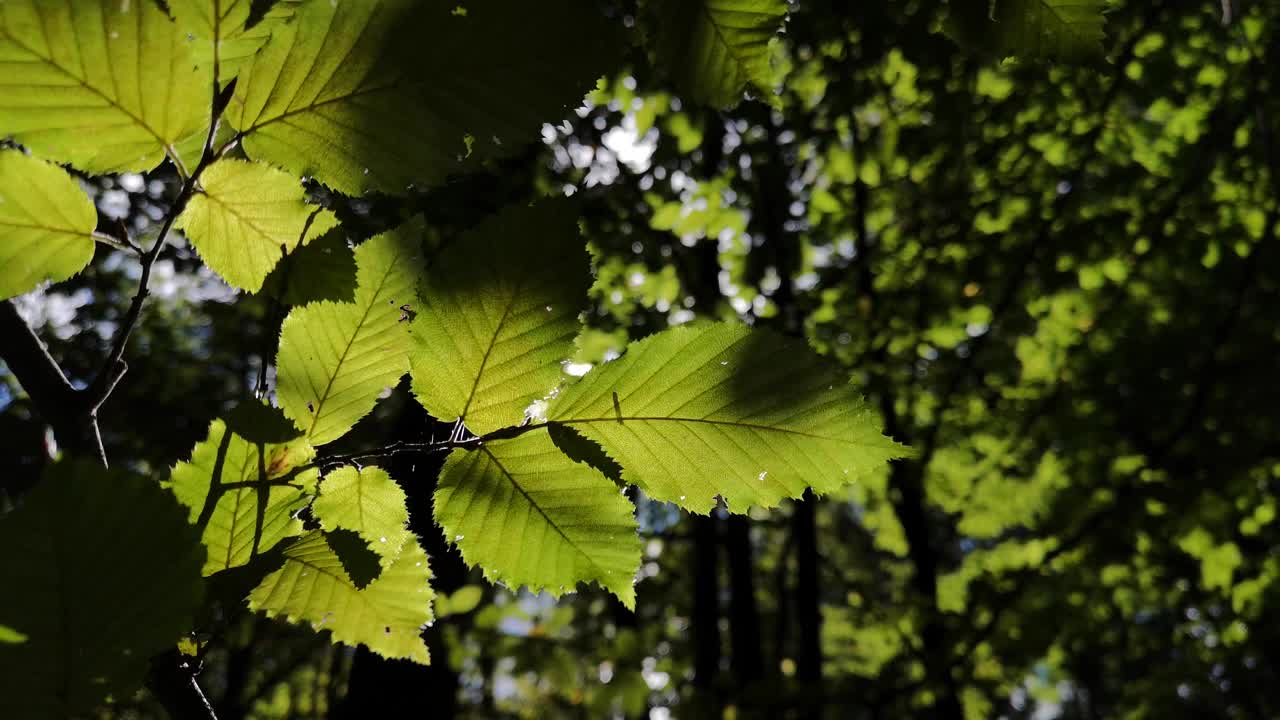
(173, 681)
(114, 367)
(52, 394)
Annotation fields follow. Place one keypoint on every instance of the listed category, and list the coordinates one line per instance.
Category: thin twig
(241, 485)
(114, 367)
(276, 309)
(113, 242)
(458, 438)
(400, 447)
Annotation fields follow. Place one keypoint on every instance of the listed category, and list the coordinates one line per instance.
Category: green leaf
(107, 86)
(368, 502)
(101, 571)
(218, 33)
(335, 359)
(46, 224)
(462, 601)
(387, 616)
(713, 49)
(497, 313)
(381, 95)
(323, 269)
(528, 515)
(239, 525)
(246, 217)
(1037, 29)
(721, 409)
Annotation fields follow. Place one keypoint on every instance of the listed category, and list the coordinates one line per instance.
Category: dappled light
(639, 360)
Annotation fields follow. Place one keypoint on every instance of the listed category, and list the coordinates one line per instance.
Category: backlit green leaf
(384, 94)
(462, 601)
(107, 86)
(246, 217)
(46, 224)
(497, 314)
(218, 33)
(100, 571)
(713, 49)
(336, 358)
(241, 525)
(368, 502)
(721, 409)
(528, 515)
(387, 616)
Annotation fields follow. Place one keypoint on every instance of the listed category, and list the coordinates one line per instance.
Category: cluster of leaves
(388, 97)
(1066, 302)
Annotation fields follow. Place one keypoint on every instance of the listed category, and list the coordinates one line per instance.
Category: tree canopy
(706, 358)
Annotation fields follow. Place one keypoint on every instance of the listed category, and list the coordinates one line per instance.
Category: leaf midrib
(516, 484)
(258, 125)
(342, 359)
(251, 222)
(730, 48)
(730, 423)
(484, 361)
(65, 231)
(110, 100)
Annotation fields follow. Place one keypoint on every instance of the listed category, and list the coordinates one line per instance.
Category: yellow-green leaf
(46, 224)
(246, 217)
(720, 409)
(713, 49)
(382, 94)
(218, 33)
(387, 616)
(528, 515)
(335, 359)
(107, 86)
(245, 521)
(498, 312)
(368, 502)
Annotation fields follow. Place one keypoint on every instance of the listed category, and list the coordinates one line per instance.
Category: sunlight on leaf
(247, 217)
(498, 312)
(103, 61)
(720, 409)
(368, 502)
(234, 532)
(387, 616)
(714, 49)
(528, 515)
(218, 34)
(47, 223)
(336, 358)
(340, 92)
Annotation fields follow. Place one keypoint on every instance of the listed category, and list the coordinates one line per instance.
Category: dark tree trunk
(746, 659)
(705, 622)
(396, 688)
(240, 662)
(808, 613)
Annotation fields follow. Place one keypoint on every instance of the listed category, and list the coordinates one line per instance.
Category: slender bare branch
(114, 366)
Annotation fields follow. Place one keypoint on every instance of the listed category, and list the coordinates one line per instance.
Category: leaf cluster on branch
(392, 97)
